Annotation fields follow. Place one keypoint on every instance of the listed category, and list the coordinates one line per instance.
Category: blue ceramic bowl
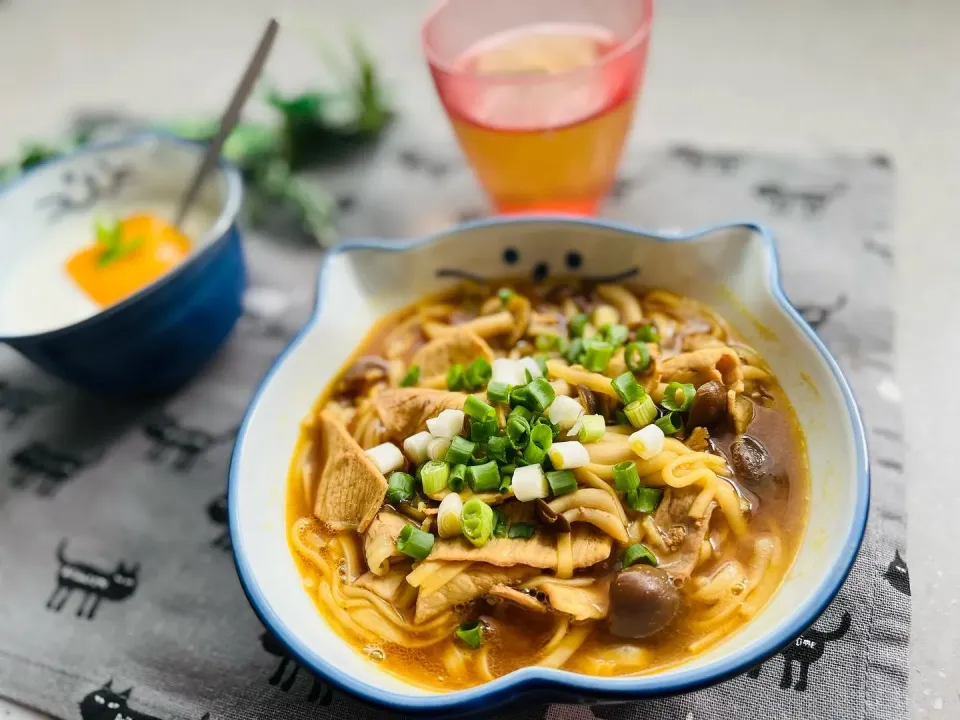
(158, 337)
(733, 268)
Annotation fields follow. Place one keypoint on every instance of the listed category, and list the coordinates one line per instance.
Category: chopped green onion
(482, 430)
(523, 412)
(541, 438)
(477, 374)
(554, 427)
(616, 335)
(638, 553)
(484, 478)
(542, 393)
(500, 524)
(506, 481)
(470, 633)
(520, 396)
(644, 499)
(435, 475)
(460, 451)
(476, 518)
(561, 482)
(621, 417)
(574, 352)
(647, 442)
(637, 357)
(448, 516)
(414, 542)
(541, 361)
(546, 343)
(671, 423)
(498, 392)
(477, 408)
(592, 428)
(455, 379)
(625, 476)
(411, 377)
(505, 294)
(498, 447)
(648, 334)
(400, 488)
(597, 355)
(626, 388)
(577, 323)
(670, 396)
(521, 530)
(642, 412)
(518, 432)
(458, 474)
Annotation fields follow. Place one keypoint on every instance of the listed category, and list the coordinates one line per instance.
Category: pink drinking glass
(540, 93)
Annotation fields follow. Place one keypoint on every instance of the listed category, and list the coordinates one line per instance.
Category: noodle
(570, 643)
(564, 556)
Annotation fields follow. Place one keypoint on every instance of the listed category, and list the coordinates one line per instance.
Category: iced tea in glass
(540, 93)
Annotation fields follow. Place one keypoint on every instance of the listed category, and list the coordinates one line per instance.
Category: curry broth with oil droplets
(731, 577)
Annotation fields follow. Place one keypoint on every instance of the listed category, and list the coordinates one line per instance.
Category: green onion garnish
(505, 294)
(411, 377)
(541, 438)
(455, 379)
(497, 448)
(498, 392)
(520, 397)
(642, 412)
(506, 481)
(648, 334)
(577, 323)
(626, 388)
(638, 553)
(470, 633)
(554, 427)
(637, 357)
(616, 335)
(597, 355)
(541, 361)
(518, 431)
(484, 478)
(625, 476)
(477, 408)
(414, 542)
(561, 482)
(457, 479)
(542, 393)
(574, 352)
(671, 423)
(476, 518)
(686, 390)
(546, 343)
(434, 475)
(400, 488)
(499, 524)
(482, 430)
(644, 499)
(477, 374)
(523, 412)
(521, 530)
(592, 428)
(460, 451)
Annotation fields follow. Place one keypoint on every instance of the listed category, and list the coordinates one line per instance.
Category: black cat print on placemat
(44, 468)
(723, 162)
(319, 691)
(105, 703)
(897, 574)
(217, 512)
(16, 402)
(818, 315)
(81, 191)
(93, 583)
(178, 446)
(805, 651)
(810, 202)
(415, 161)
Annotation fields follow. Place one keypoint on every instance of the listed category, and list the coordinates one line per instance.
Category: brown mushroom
(549, 518)
(643, 601)
(750, 460)
(588, 399)
(709, 405)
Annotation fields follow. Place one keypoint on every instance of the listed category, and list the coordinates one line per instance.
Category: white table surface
(817, 74)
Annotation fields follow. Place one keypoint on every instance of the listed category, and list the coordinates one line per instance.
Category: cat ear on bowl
(126, 693)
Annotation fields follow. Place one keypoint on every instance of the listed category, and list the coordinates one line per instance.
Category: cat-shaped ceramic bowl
(732, 268)
(156, 338)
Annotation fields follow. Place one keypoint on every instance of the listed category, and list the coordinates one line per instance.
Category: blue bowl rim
(219, 230)
(505, 688)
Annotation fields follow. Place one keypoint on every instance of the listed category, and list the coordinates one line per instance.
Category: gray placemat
(118, 597)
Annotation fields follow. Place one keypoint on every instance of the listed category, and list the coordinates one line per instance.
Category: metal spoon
(229, 119)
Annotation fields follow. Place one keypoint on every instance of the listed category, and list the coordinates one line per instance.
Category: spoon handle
(229, 119)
